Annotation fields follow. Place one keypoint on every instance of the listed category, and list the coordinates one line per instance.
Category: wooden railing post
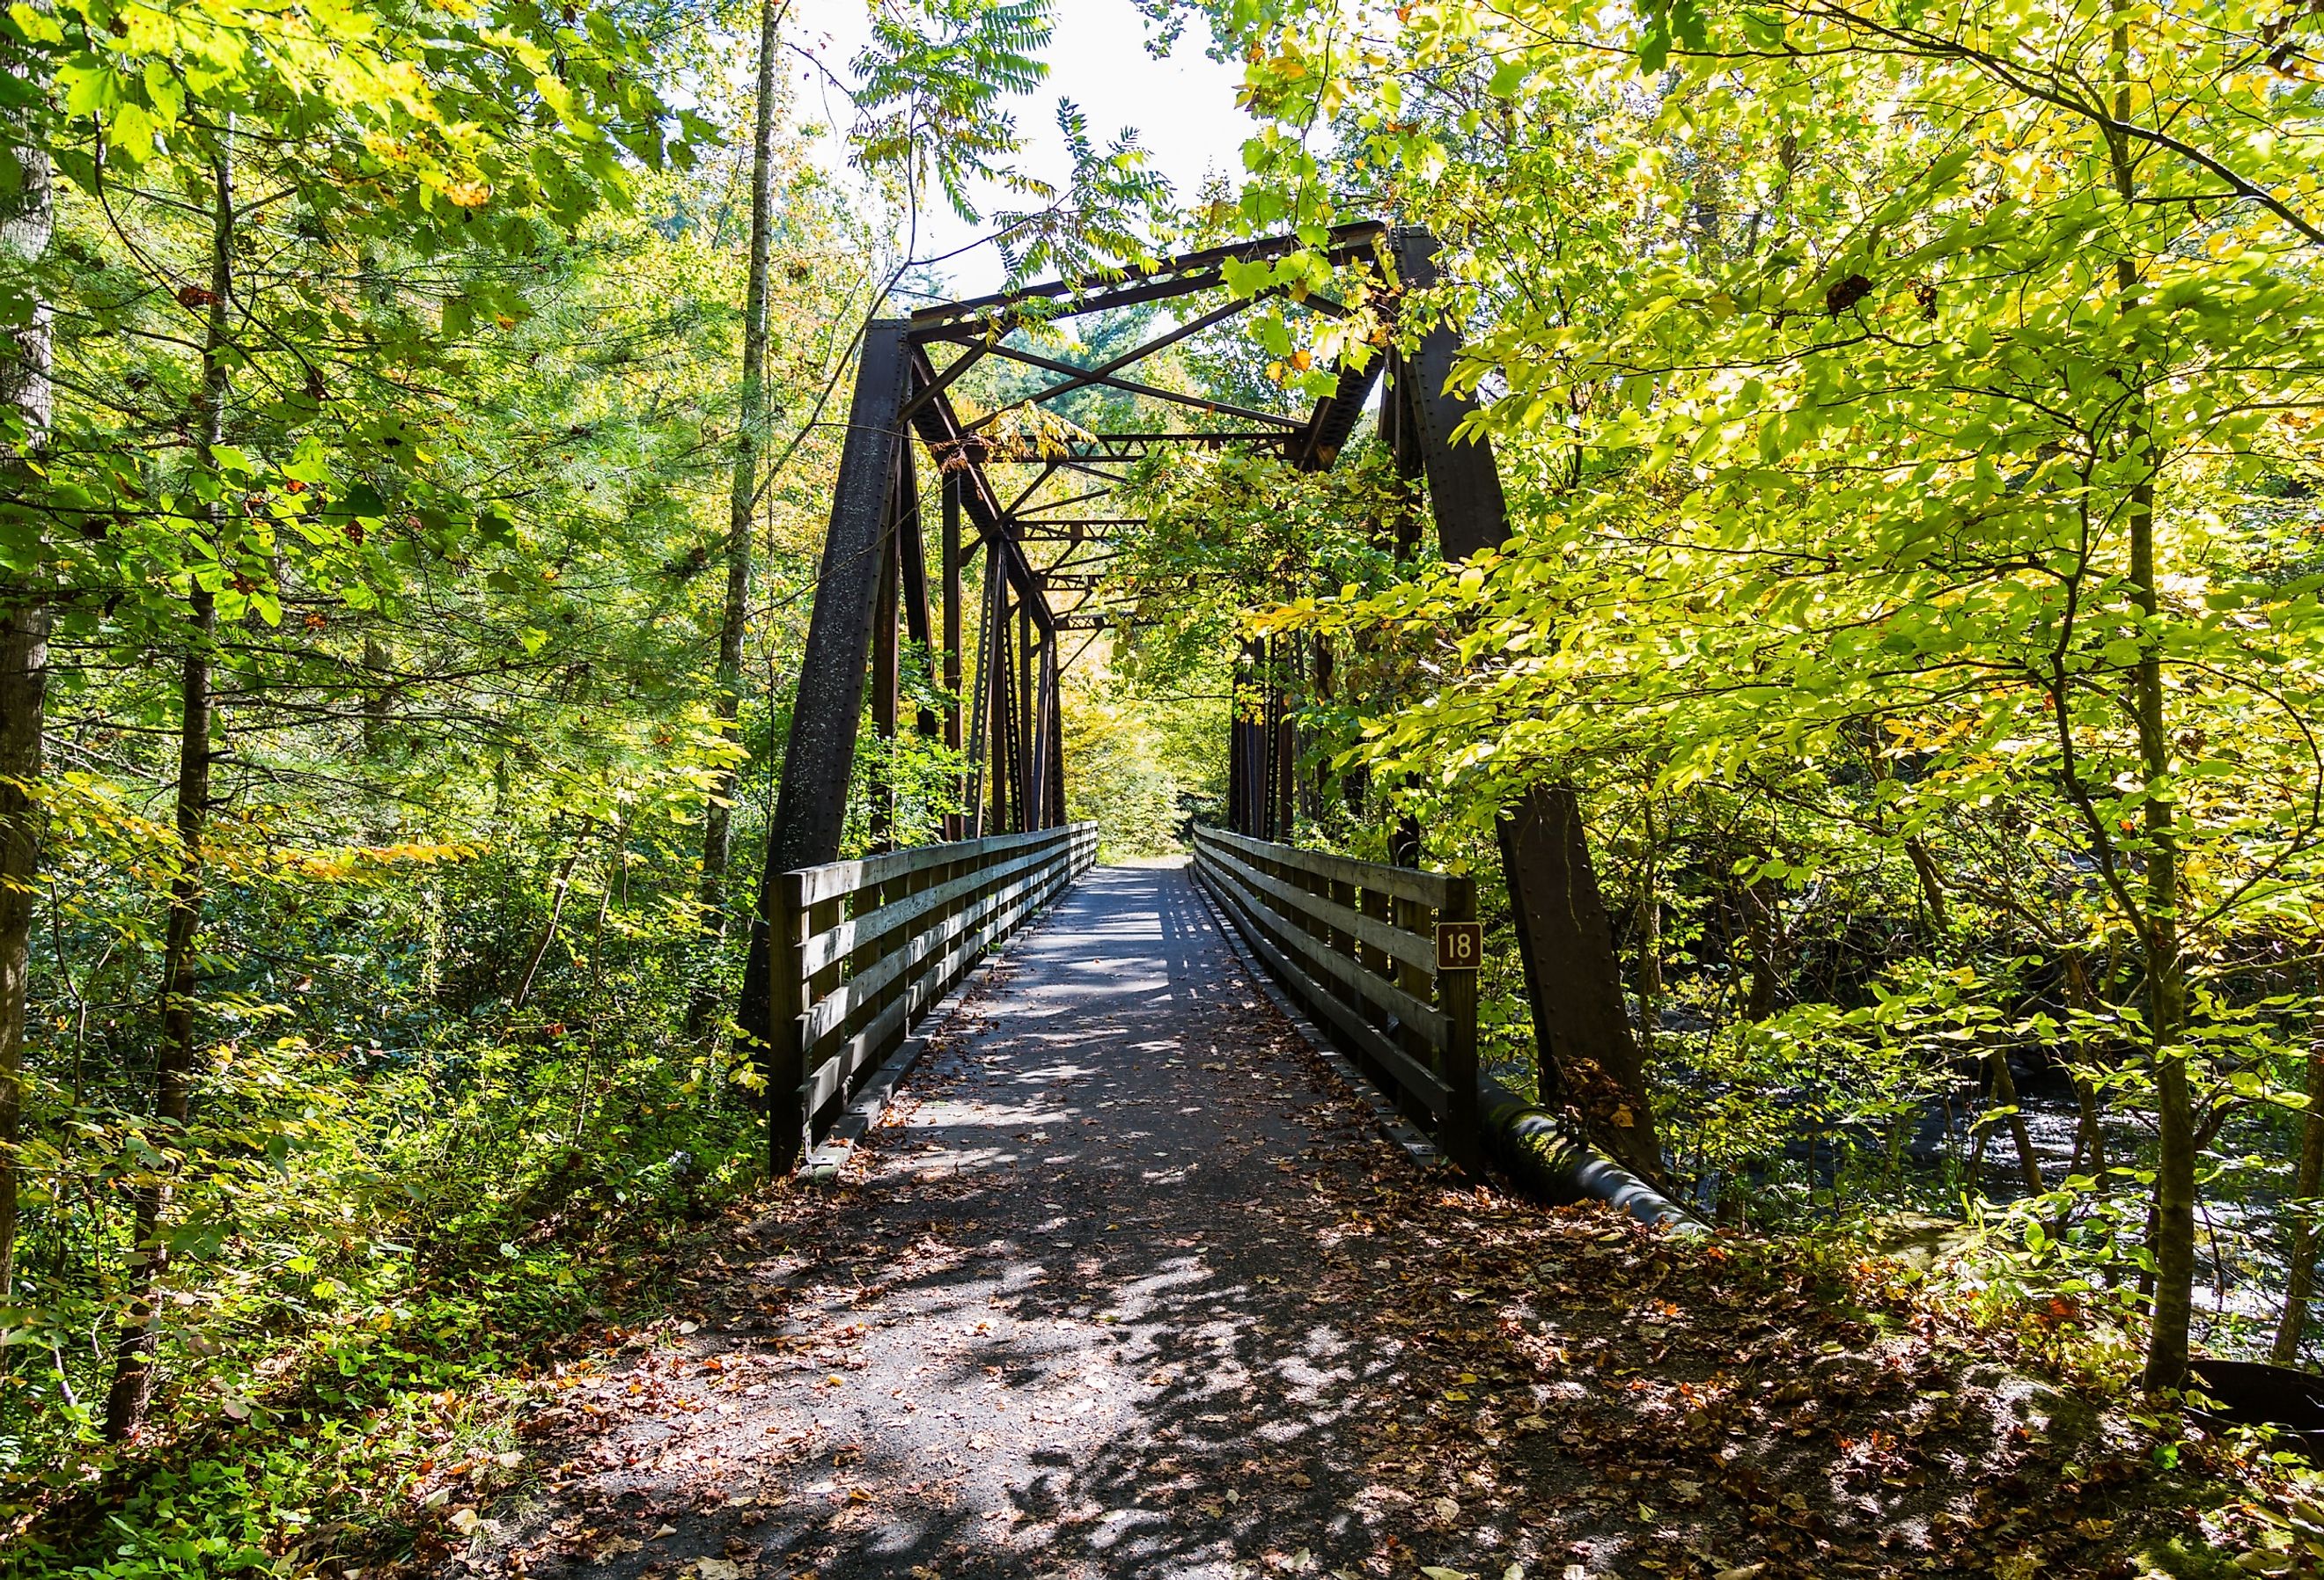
(787, 1062)
(1456, 995)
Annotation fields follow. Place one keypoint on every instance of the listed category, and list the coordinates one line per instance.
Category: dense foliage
(1911, 421)
(417, 423)
(403, 594)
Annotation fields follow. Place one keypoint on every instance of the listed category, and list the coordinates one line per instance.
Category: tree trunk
(1932, 888)
(1760, 919)
(2172, 1241)
(2166, 984)
(2166, 989)
(133, 1377)
(2005, 1095)
(23, 690)
(27, 220)
(718, 822)
(559, 890)
(2293, 1324)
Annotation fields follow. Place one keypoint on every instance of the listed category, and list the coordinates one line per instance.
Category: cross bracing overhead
(1040, 498)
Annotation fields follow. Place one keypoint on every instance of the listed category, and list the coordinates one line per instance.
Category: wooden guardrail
(863, 949)
(1385, 957)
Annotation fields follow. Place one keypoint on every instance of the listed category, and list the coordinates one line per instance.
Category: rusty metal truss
(1041, 511)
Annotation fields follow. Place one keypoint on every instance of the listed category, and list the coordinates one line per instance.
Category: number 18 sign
(1460, 945)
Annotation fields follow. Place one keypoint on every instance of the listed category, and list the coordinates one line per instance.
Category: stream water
(2240, 1230)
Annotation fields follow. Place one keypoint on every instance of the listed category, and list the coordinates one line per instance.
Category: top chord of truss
(1178, 276)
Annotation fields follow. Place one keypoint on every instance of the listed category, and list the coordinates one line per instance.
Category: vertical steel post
(884, 674)
(1581, 1024)
(912, 556)
(1052, 734)
(1058, 751)
(954, 821)
(819, 754)
(1234, 764)
(1021, 759)
(988, 624)
(1004, 713)
(1287, 739)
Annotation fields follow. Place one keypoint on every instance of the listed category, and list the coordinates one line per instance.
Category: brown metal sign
(1460, 945)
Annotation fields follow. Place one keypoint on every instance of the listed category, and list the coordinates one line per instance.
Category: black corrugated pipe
(1546, 1159)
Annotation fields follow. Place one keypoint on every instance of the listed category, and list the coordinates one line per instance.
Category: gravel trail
(1062, 1317)
(1127, 1283)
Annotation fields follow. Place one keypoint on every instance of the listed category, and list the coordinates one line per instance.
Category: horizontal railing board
(1423, 1017)
(1431, 889)
(987, 904)
(1408, 947)
(836, 943)
(837, 880)
(829, 1013)
(1400, 1066)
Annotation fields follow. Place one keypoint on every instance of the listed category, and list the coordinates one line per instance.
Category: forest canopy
(418, 424)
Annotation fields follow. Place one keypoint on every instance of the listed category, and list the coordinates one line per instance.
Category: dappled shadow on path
(1127, 1285)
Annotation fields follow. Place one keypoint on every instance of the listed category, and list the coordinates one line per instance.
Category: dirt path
(1127, 1285)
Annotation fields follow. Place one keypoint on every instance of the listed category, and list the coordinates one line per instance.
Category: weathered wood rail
(1357, 944)
(863, 949)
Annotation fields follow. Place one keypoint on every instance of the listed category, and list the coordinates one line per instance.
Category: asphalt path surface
(1062, 1317)
(1128, 1283)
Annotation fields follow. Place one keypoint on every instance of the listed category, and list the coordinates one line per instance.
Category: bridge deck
(1088, 1268)
(1127, 1285)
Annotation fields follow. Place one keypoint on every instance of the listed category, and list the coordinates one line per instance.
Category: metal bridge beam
(819, 753)
(874, 574)
(1582, 1026)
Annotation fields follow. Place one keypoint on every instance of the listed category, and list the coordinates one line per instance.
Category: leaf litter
(1300, 1355)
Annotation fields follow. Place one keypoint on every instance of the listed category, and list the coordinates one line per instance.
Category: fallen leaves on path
(1296, 1354)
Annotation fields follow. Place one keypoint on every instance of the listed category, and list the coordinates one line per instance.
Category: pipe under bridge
(845, 957)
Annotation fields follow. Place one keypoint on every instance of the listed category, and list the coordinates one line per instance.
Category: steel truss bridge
(1043, 514)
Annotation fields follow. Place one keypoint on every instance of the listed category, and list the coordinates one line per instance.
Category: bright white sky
(1183, 109)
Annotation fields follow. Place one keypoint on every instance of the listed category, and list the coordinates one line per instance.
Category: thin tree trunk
(133, 1377)
(1932, 888)
(2172, 1241)
(718, 822)
(614, 863)
(563, 887)
(2166, 984)
(2090, 1139)
(27, 220)
(2292, 1326)
(2005, 1095)
(1760, 900)
(24, 687)
(1650, 937)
